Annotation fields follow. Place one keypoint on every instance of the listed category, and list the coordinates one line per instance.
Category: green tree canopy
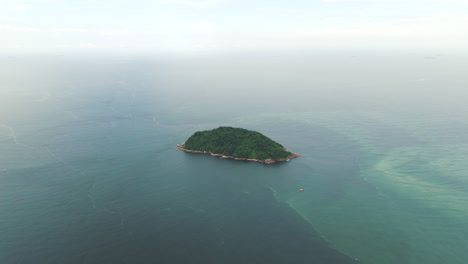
(237, 142)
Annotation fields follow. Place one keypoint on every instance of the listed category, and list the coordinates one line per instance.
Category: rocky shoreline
(267, 161)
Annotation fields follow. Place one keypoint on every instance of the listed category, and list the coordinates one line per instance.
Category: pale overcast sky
(194, 25)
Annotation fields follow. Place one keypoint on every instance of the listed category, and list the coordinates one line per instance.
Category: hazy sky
(193, 25)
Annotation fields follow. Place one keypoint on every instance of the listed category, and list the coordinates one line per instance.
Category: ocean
(89, 171)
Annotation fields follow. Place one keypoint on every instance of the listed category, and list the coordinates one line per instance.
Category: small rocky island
(238, 144)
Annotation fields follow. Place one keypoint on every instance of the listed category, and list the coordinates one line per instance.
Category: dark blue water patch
(206, 211)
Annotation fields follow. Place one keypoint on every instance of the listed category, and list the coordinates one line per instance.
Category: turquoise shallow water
(411, 198)
(89, 172)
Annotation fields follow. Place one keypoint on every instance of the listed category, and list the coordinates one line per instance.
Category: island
(238, 144)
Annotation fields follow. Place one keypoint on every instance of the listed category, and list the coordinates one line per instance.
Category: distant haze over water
(89, 172)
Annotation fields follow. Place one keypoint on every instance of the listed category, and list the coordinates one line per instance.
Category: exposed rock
(267, 161)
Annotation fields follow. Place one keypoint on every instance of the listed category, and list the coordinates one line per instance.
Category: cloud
(436, 18)
(444, 30)
(70, 30)
(385, 1)
(87, 45)
(7, 18)
(392, 1)
(434, 25)
(198, 3)
(167, 29)
(17, 8)
(9, 28)
(333, 18)
(26, 1)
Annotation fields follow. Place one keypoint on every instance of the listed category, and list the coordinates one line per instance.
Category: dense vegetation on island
(237, 142)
